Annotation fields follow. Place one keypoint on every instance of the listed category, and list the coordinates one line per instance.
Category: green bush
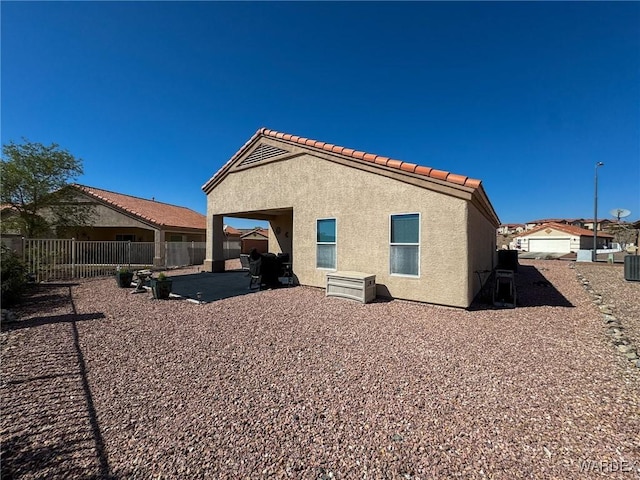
(13, 276)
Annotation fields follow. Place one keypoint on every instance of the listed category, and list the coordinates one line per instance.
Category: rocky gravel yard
(99, 383)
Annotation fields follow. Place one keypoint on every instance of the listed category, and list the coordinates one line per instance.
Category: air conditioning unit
(632, 268)
(353, 285)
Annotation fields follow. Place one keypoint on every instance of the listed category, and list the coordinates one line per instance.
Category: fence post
(129, 254)
(73, 257)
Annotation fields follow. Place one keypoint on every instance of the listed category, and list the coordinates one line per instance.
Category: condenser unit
(632, 268)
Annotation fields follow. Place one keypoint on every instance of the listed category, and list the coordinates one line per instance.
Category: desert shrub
(13, 276)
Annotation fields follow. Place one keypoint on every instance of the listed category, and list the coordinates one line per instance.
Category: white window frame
(335, 244)
(419, 244)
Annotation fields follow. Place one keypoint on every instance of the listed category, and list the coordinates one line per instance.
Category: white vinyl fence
(55, 259)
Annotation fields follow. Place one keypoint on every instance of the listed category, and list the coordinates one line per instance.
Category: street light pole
(594, 254)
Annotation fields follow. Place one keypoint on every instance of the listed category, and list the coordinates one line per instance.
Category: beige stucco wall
(281, 233)
(482, 255)
(362, 203)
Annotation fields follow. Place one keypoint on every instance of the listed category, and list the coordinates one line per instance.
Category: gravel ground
(98, 383)
(622, 297)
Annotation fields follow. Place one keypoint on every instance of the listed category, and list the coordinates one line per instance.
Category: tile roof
(148, 211)
(259, 231)
(580, 232)
(355, 154)
(229, 230)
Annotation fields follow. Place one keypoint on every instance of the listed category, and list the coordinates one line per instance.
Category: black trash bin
(508, 260)
(270, 269)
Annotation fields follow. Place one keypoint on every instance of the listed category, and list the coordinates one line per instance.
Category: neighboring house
(576, 222)
(510, 228)
(423, 232)
(602, 223)
(258, 239)
(536, 223)
(559, 238)
(123, 217)
(232, 242)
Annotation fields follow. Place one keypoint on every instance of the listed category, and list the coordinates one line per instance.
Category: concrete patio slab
(212, 286)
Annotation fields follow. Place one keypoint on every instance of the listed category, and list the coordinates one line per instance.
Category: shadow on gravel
(533, 289)
(39, 321)
(49, 422)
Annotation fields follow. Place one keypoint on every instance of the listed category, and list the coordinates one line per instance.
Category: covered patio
(280, 234)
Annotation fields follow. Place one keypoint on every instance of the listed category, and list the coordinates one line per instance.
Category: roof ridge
(132, 196)
(372, 158)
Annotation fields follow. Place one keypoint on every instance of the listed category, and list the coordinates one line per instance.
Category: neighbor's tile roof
(229, 230)
(577, 231)
(158, 213)
(357, 155)
(259, 231)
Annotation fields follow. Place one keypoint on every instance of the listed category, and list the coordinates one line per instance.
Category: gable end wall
(362, 203)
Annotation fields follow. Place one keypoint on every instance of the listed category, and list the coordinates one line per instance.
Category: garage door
(550, 245)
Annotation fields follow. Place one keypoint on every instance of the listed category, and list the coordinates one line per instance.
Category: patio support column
(158, 248)
(215, 244)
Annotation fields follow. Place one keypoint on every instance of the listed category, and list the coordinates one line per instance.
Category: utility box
(353, 285)
(632, 268)
(584, 256)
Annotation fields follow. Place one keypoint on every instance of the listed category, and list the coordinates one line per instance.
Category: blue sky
(156, 96)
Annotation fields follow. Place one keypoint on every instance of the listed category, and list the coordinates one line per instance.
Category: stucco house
(511, 228)
(257, 238)
(423, 232)
(576, 222)
(120, 217)
(559, 238)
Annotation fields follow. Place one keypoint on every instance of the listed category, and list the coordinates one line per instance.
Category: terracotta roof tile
(472, 182)
(426, 171)
(229, 230)
(394, 163)
(158, 213)
(260, 231)
(439, 174)
(408, 167)
(459, 179)
(356, 154)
